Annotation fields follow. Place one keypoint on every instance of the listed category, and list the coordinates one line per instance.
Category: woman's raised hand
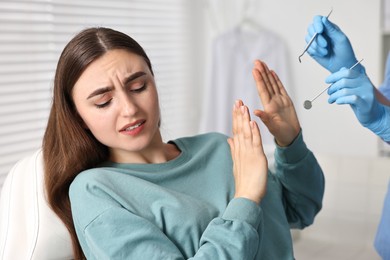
(250, 164)
(279, 113)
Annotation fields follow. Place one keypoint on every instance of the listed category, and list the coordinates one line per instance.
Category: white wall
(328, 129)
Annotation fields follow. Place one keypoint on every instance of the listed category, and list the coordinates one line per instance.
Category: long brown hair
(69, 148)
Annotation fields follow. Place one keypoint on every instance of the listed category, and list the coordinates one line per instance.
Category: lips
(133, 128)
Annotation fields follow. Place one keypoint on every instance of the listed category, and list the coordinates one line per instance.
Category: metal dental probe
(308, 103)
(312, 39)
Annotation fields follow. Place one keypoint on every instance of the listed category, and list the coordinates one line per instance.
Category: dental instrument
(312, 39)
(308, 103)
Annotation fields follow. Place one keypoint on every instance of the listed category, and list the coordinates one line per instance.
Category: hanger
(210, 8)
(219, 18)
(247, 23)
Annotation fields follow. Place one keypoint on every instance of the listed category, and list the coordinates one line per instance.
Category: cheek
(156, 107)
(101, 129)
(97, 123)
(154, 97)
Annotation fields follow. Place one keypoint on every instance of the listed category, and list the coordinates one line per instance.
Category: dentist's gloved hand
(331, 48)
(355, 88)
(384, 88)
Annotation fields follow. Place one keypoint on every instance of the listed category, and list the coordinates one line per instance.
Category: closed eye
(105, 104)
(139, 89)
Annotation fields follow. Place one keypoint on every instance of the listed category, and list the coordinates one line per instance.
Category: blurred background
(202, 52)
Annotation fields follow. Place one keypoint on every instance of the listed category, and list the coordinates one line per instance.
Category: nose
(128, 106)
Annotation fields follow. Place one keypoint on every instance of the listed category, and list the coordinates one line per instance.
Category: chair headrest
(29, 228)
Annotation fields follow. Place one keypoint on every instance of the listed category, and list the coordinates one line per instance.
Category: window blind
(32, 36)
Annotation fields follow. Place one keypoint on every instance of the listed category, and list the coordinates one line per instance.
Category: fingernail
(242, 109)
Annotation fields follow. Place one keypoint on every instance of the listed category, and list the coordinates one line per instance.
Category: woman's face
(117, 99)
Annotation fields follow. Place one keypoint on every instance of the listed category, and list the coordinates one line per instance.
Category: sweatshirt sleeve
(234, 235)
(302, 180)
(117, 233)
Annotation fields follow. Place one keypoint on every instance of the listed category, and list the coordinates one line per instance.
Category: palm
(249, 161)
(279, 113)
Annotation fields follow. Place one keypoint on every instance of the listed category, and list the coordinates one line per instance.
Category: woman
(128, 195)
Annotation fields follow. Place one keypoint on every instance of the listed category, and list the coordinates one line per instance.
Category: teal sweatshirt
(184, 208)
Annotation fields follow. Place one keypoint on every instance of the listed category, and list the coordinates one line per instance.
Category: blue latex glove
(355, 88)
(331, 48)
(384, 88)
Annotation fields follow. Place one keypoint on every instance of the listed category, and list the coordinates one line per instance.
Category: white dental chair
(29, 229)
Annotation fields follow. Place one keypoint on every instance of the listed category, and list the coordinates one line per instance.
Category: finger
(341, 74)
(316, 29)
(256, 136)
(321, 41)
(343, 83)
(262, 115)
(279, 84)
(236, 106)
(234, 120)
(261, 67)
(239, 119)
(341, 94)
(316, 50)
(310, 33)
(318, 24)
(236, 132)
(244, 123)
(232, 152)
(274, 82)
(330, 28)
(239, 133)
(231, 145)
(271, 80)
(318, 44)
(260, 85)
(347, 100)
(247, 131)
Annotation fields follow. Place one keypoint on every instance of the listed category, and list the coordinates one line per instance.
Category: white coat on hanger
(230, 77)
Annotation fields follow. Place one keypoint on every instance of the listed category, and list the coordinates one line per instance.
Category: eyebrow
(103, 90)
(100, 91)
(134, 76)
